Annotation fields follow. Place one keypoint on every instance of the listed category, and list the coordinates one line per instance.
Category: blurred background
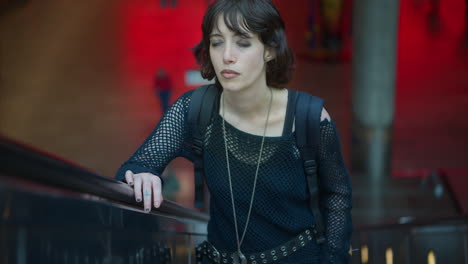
(79, 80)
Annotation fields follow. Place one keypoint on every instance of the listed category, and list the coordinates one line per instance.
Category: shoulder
(181, 104)
(185, 98)
(204, 91)
(325, 115)
(202, 95)
(188, 94)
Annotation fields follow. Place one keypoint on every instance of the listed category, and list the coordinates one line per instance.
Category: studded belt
(206, 249)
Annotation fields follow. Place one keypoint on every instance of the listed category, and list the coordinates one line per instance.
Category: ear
(269, 54)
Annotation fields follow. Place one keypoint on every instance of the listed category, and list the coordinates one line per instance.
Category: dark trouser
(165, 3)
(164, 96)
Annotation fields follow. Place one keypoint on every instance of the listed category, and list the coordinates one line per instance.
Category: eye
(243, 43)
(215, 43)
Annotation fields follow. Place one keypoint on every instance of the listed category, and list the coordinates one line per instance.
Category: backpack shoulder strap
(200, 112)
(308, 114)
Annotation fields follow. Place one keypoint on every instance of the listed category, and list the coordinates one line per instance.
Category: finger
(157, 197)
(147, 195)
(129, 177)
(137, 189)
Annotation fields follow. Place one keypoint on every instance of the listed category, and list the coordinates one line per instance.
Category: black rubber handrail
(453, 220)
(21, 161)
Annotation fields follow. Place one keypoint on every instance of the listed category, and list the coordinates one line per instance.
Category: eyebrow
(215, 35)
(245, 35)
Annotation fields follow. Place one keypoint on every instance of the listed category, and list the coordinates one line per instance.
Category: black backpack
(307, 111)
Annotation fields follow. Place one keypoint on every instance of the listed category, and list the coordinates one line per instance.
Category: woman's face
(238, 60)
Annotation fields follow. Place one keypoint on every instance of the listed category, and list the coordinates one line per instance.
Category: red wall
(156, 37)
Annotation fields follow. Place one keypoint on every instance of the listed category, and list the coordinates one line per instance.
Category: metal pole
(375, 26)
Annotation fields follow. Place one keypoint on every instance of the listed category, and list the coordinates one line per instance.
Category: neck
(247, 102)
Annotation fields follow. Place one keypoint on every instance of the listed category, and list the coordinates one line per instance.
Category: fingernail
(138, 200)
(147, 210)
(157, 204)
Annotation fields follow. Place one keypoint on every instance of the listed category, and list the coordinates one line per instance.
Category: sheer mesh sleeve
(167, 141)
(335, 195)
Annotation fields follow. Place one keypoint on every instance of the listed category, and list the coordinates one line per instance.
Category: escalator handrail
(21, 161)
(451, 220)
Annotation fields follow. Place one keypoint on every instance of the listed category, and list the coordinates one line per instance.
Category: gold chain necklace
(238, 257)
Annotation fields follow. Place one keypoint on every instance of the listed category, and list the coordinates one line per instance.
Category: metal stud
(309, 237)
(275, 258)
(254, 262)
(224, 260)
(224, 255)
(307, 231)
(285, 253)
(264, 261)
(252, 257)
(273, 252)
(262, 255)
(294, 249)
(301, 237)
(283, 248)
(302, 243)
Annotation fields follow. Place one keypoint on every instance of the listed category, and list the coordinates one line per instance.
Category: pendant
(238, 258)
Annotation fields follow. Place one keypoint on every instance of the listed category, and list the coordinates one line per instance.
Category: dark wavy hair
(255, 16)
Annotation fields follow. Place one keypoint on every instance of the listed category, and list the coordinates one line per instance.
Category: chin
(231, 86)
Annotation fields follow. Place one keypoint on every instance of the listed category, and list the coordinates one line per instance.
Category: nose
(228, 55)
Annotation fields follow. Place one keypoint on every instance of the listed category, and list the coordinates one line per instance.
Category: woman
(259, 196)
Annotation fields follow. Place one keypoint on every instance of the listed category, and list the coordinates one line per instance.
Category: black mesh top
(280, 208)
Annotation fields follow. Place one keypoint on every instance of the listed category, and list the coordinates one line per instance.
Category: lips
(229, 74)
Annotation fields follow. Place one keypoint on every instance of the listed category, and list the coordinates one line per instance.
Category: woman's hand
(146, 185)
